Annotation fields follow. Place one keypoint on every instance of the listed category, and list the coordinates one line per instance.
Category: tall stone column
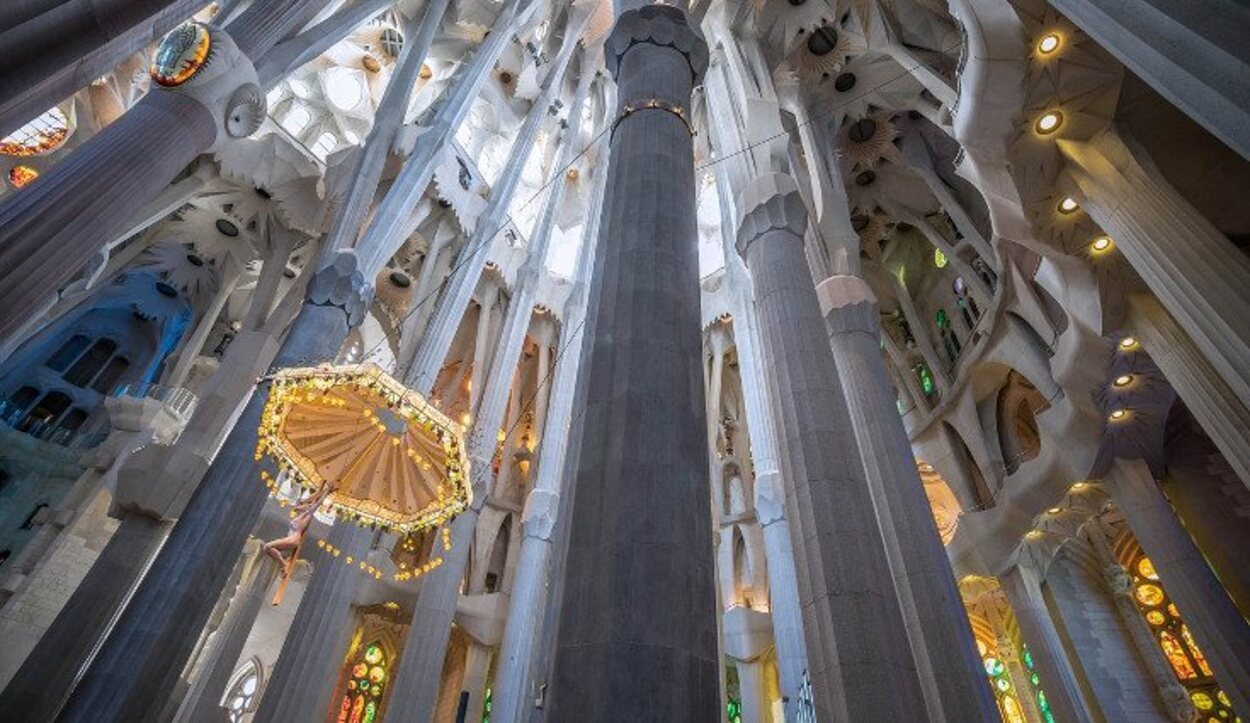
(154, 636)
(637, 630)
(1208, 610)
(1222, 416)
(53, 48)
(202, 703)
(46, 678)
(476, 667)
(481, 343)
(300, 685)
(855, 632)
(941, 639)
(1024, 594)
(1197, 274)
(531, 583)
(1193, 55)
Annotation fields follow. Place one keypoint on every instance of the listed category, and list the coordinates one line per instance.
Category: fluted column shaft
(1197, 274)
(640, 509)
(481, 343)
(1049, 657)
(300, 685)
(154, 636)
(47, 676)
(202, 703)
(51, 49)
(531, 583)
(1208, 610)
(855, 631)
(933, 610)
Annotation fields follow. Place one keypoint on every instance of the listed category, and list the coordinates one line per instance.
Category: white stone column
(190, 351)
(476, 666)
(1054, 668)
(1197, 274)
(481, 342)
(414, 324)
(202, 701)
(1206, 607)
(1222, 416)
(512, 696)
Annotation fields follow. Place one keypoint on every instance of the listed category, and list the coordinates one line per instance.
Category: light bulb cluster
(338, 553)
(409, 546)
(633, 107)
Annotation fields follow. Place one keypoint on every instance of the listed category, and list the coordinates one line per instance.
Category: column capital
(847, 304)
(769, 203)
(662, 25)
(539, 517)
(225, 81)
(341, 283)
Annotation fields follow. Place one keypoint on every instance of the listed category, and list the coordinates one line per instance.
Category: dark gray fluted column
(51, 49)
(1024, 594)
(152, 640)
(637, 635)
(300, 685)
(941, 639)
(856, 639)
(41, 685)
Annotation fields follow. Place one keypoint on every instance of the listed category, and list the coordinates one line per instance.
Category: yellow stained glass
(1173, 611)
(1196, 651)
(1201, 700)
(1223, 698)
(1176, 656)
(1146, 569)
(1149, 594)
(20, 176)
(1154, 617)
(1011, 710)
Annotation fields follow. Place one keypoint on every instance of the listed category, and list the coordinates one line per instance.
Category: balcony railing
(180, 400)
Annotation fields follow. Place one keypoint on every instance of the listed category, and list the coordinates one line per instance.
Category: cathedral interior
(594, 361)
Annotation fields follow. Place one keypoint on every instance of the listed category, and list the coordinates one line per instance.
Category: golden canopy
(389, 459)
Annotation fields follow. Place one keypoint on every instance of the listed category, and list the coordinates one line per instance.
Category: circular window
(400, 279)
(844, 82)
(181, 54)
(165, 289)
(865, 178)
(822, 41)
(195, 260)
(392, 42)
(1146, 569)
(862, 130)
(1149, 594)
(227, 228)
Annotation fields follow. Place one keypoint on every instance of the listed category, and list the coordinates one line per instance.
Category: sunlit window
(241, 698)
(44, 134)
(345, 88)
(297, 120)
(326, 142)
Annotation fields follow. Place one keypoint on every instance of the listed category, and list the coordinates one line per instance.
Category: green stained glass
(734, 709)
(942, 320)
(371, 712)
(1028, 659)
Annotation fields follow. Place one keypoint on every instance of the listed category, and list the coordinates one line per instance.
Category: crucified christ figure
(304, 511)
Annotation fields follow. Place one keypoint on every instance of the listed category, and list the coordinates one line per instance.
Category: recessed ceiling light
(1054, 510)
(1068, 205)
(1101, 244)
(1128, 342)
(1119, 414)
(1049, 123)
(1123, 380)
(1048, 44)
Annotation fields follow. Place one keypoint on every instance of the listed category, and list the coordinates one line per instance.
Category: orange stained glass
(1149, 594)
(1146, 569)
(1011, 710)
(1196, 651)
(20, 176)
(1176, 656)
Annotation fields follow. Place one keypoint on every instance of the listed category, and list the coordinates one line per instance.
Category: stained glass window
(1004, 691)
(1179, 647)
(369, 677)
(939, 258)
(926, 379)
(43, 134)
(734, 709)
(241, 697)
(21, 176)
(1035, 680)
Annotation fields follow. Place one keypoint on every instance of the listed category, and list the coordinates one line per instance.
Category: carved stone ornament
(662, 25)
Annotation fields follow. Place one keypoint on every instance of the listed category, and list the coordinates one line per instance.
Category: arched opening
(68, 352)
(498, 557)
(90, 363)
(113, 371)
(45, 413)
(1019, 438)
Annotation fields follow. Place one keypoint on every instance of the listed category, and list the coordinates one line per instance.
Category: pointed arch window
(113, 371)
(242, 695)
(91, 363)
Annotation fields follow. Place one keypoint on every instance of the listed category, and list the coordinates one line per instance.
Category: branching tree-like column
(856, 636)
(637, 630)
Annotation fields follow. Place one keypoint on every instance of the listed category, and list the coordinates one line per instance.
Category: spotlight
(1128, 342)
(1068, 205)
(1119, 414)
(1049, 123)
(1048, 44)
(1102, 244)
(1123, 380)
